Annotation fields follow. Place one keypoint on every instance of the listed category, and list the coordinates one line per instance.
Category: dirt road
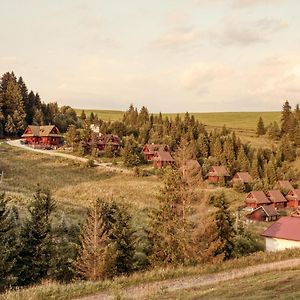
(144, 291)
(106, 166)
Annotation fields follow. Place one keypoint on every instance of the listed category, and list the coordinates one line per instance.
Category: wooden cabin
(149, 150)
(243, 177)
(277, 199)
(283, 234)
(293, 198)
(284, 186)
(43, 136)
(216, 173)
(256, 199)
(109, 140)
(265, 213)
(162, 159)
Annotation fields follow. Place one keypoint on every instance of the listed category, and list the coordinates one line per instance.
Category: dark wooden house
(293, 198)
(150, 150)
(256, 199)
(108, 140)
(264, 213)
(277, 199)
(216, 173)
(43, 136)
(162, 159)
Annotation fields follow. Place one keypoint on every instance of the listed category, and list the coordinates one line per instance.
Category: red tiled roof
(243, 176)
(41, 131)
(152, 148)
(285, 184)
(218, 171)
(258, 197)
(287, 228)
(276, 196)
(294, 194)
(163, 156)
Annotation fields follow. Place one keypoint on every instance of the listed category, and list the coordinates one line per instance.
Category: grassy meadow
(236, 120)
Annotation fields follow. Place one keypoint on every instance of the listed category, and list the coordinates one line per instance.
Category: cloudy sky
(170, 55)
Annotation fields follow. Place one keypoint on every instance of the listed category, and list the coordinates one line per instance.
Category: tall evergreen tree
(260, 130)
(286, 118)
(36, 245)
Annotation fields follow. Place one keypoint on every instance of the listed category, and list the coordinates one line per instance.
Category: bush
(90, 163)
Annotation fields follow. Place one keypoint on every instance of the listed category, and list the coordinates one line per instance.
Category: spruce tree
(287, 150)
(96, 260)
(260, 130)
(243, 160)
(36, 245)
(8, 235)
(286, 118)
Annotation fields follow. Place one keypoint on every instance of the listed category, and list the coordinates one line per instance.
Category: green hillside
(241, 120)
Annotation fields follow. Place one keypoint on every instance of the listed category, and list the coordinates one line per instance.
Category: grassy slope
(242, 120)
(82, 288)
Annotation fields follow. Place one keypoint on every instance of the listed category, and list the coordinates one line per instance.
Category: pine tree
(254, 171)
(132, 153)
(8, 234)
(217, 147)
(286, 118)
(260, 127)
(36, 245)
(288, 153)
(96, 259)
(270, 172)
(203, 143)
(243, 160)
(224, 225)
(10, 127)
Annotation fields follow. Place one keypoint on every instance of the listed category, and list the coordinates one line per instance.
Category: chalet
(108, 140)
(277, 199)
(283, 234)
(162, 159)
(243, 177)
(284, 186)
(264, 213)
(257, 198)
(216, 173)
(293, 198)
(43, 136)
(149, 150)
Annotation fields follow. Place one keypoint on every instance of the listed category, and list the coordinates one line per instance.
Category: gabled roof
(276, 196)
(243, 176)
(218, 171)
(287, 228)
(258, 197)
(269, 210)
(163, 156)
(294, 194)
(40, 131)
(285, 184)
(109, 138)
(152, 148)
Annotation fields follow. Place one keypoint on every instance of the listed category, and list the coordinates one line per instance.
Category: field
(236, 120)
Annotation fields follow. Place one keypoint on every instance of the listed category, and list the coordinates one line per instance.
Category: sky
(169, 55)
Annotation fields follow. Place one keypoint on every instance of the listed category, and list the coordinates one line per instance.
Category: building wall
(273, 244)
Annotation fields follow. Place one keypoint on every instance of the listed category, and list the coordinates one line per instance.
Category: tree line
(20, 107)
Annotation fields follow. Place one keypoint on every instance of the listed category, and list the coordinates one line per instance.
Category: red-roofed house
(293, 198)
(277, 199)
(216, 173)
(257, 198)
(243, 177)
(283, 234)
(162, 159)
(149, 150)
(284, 185)
(264, 213)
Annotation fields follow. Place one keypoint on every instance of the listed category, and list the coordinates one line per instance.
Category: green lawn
(241, 120)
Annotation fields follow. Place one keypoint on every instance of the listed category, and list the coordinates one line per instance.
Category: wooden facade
(277, 199)
(265, 213)
(108, 140)
(162, 159)
(256, 199)
(216, 173)
(44, 136)
(149, 150)
(243, 177)
(293, 198)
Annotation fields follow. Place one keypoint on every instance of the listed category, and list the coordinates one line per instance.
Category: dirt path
(105, 166)
(144, 291)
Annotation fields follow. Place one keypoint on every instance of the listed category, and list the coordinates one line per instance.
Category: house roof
(152, 148)
(276, 196)
(258, 197)
(218, 171)
(294, 194)
(109, 138)
(243, 176)
(285, 184)
(287, 228)
(269, 210)
(40, 131)
(162, 155)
